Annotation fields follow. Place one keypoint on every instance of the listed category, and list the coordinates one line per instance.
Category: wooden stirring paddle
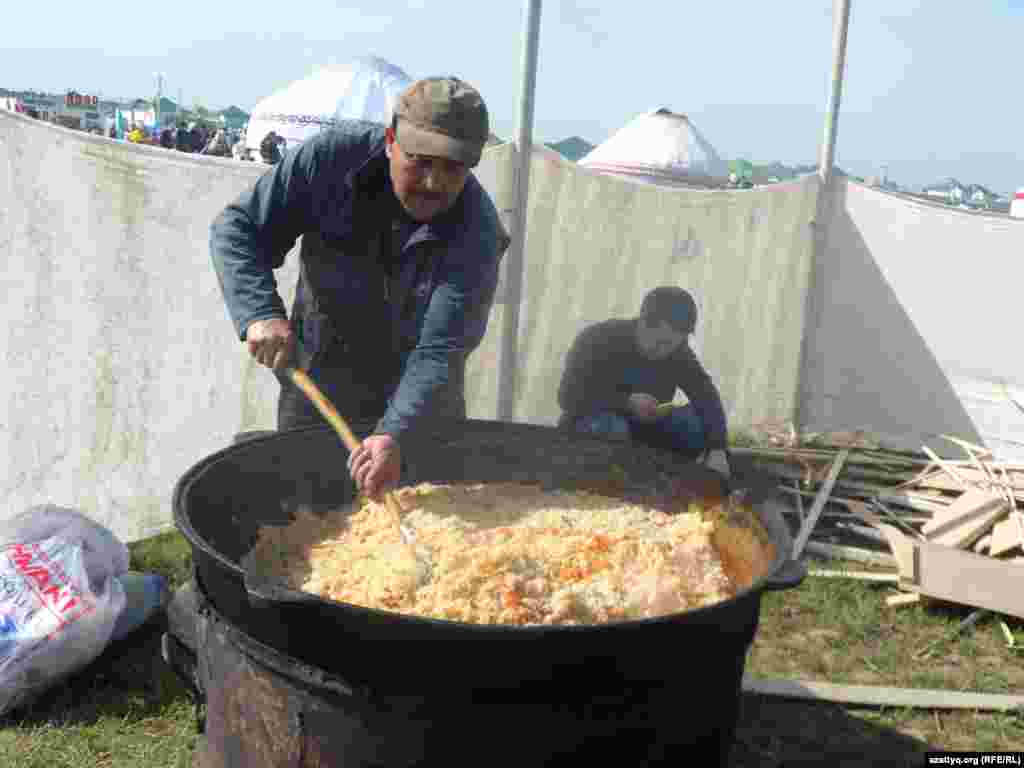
(330, 413)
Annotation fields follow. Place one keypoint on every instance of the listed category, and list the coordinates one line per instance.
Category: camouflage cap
(443, 117)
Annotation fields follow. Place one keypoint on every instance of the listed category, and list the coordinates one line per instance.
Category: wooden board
(957, 576)
(943, 482)
(902, 549)
(969, 531)
(953, 472)
(974, 504)
(877, 696)
(1006, 535)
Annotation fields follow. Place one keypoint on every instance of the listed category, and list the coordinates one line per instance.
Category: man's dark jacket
(397, 308)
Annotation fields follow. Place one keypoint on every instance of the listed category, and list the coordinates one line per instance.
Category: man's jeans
(681, 431)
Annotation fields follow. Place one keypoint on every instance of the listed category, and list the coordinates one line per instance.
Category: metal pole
(156, 104)
(840, 23)
(823, 211)
(509, 361)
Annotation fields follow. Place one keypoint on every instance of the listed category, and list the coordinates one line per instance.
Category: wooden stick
(905, 516)
(977, 464)
(1012, 494)
(351, 442)
(895, 520)
(838, 552)
(904, 598)
(945, 465)
(861, 530)
(799, 503)
(878, 696)
(819, 504)
(912, 482)
(858, 575)
(917, 502)
(1007, 493)
(968, 447)
(828, 515)
(973, 505)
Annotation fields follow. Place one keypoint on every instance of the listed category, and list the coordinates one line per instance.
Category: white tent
(1017, 204)
(364, 89)
(660, 147)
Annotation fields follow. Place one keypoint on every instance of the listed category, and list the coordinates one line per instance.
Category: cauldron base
(257, 717)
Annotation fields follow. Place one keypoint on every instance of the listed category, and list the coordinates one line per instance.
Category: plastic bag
(59, 598)
(103, 553)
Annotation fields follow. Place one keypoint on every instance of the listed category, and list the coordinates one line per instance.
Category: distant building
(168, 112)
(73, 109)
(45, 106)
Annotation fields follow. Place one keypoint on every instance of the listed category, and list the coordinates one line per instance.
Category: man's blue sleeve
(455, 324)
(250, 237)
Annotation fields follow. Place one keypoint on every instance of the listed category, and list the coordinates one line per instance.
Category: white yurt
(365, 88)
(660, 147)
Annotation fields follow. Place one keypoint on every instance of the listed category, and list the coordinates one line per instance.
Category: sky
(931, 90)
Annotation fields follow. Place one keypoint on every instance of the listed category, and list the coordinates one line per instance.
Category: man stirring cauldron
(620, 370)
(399, 264)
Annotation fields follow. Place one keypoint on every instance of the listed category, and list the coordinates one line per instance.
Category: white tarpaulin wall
(596, 244)
(915, 323)
(122, 368)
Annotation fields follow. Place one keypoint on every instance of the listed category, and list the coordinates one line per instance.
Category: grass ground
(841, 631)
(127, 710)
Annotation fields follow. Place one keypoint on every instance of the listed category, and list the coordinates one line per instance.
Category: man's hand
(271, 342)
(718, 461)
(376, 465)
(643, 407)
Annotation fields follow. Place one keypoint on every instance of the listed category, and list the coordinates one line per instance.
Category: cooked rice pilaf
(509, 553)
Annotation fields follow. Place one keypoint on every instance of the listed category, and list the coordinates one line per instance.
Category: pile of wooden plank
(953, 529)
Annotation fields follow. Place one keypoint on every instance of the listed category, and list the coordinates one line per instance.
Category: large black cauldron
(522, 694)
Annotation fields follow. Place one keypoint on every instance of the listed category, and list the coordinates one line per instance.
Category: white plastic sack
(103, 553)
(59, 598)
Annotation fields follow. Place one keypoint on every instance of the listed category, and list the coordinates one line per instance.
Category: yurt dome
(365, 88)
(659, 147)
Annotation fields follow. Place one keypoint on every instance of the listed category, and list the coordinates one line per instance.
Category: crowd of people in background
(197, 138)
(193, 138)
